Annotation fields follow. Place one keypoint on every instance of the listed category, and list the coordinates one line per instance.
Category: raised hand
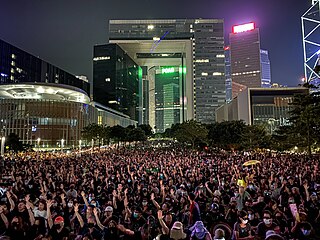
(160, 214)
(114, 193)
(152, 196)
(83, 194)
(49, 203)
(76, 207)
(95, 211)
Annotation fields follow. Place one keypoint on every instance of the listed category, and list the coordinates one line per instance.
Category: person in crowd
(242, 228)
(266, 225)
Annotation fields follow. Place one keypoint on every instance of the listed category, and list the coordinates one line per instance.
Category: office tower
(116, 79)
(196, 45)
(245, 55)
(310, 22)
(265, 69)
(228, 74)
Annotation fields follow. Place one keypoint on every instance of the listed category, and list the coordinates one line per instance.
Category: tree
(138, 134)
(118, 133)
(93, 131)
(304, 119)
(13, 142)
(190, 132)
(227, 135)
(255, 136)
(147, 129)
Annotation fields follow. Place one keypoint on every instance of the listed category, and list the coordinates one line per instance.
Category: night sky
(63, 32)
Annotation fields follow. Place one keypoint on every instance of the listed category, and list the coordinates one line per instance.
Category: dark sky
(63, 32)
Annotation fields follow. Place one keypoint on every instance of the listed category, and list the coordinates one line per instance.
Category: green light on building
(167, 70)
(184, 69)
(140, 72)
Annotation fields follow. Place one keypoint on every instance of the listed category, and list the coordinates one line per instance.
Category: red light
(243, 27)
(227, 48)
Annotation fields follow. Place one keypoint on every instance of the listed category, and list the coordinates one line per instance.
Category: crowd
(159, 194)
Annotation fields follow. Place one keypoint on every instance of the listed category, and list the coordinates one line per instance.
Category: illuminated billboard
(243, 27)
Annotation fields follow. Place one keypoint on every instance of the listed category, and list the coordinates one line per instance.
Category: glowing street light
(3, 139)
(38, 141)
(62, 142)
(80, 145)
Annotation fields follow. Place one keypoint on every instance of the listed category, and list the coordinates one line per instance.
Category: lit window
(13, 56)
(99, 120)
(101, 58)
(19, 70)
(217, 74)
(202, 60)
(156, 38)
(12, 70)
(13, 63)
(220, 56)
(204, 74)
(108, 80)
(150, 27)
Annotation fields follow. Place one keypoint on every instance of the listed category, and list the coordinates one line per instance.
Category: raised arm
(165, 229)
(50, 222)
(4, 217)
(12, 205)
(76, 212)
(31, 216)
(95, 213)
(83, 194)
(155, 202)
(125, 230)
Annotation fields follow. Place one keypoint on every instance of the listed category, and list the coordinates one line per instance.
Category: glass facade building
(265, 69)
(203, 56)
(18, 66)
(41, 101)
(228, 74)
(116, 79)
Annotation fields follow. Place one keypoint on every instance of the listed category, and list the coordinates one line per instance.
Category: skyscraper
(245, 55)
(196, 45)
(116, 79)
(265, 69)
(228, 74)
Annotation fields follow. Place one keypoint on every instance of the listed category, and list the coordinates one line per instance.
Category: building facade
(116, 79)
(265, 69)
(266, 106)
(43, 104)
(228, 74)
(196, 45)
(245, 55)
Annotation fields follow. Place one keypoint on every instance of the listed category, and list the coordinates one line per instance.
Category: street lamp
(80, 145)
(62, 141)
(3, 139)
(38, 140)
(92, 145)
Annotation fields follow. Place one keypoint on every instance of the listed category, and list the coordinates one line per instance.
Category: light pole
(3, 139)
(92, 145)
(38, 140)
(62, 141)
(80, 145)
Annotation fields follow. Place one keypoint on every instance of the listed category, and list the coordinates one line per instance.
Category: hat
(272, 234)
(219, 234)
(198, 230)
(176, 231)
(59, 219)
(109, 209)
